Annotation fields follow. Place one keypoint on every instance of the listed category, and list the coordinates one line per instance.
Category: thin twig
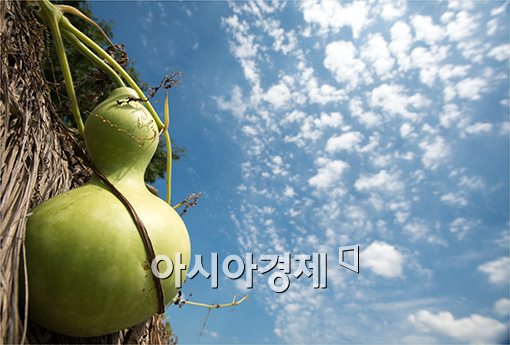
(190, 201)
(171, 80)
(181, 301)
(204, 323)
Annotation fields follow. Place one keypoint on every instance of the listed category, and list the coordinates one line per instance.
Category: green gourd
(88, 270)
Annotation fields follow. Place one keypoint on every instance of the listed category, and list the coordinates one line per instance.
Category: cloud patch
(342, 60)
(382, 181)
(474, 328)
(333, 16)
(382, 259)
(329, 173)
(498, 270)
(347, 141)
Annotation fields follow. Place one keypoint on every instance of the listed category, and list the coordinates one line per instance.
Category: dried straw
(39, 160)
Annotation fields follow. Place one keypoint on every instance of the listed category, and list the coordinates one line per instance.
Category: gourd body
(88, 271)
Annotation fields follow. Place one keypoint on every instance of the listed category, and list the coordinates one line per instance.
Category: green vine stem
(78, 13)
(53, 16)
(66, 25)
(168, 151)
(93, 58)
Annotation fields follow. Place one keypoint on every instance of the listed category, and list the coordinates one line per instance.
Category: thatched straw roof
(39, 160)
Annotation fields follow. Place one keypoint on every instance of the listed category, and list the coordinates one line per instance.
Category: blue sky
(313, 125)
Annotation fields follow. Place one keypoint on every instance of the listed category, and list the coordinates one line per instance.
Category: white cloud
(428, 61)
(343, 62)
(329, 173)
(499, 10)
(289, 192)
(474, 329)
(463, 26)
(384, 181)
(240, 285)
(472, 49)
(471, 88)
(471, 182)
(426, 30)
(449, 71)
(324, 94)
(416, 230)
(347, 141)
(405, 130)
(454, 199)
(504, 128)
(500, 53)
(492, 26)
(284, 42)
(502, 307)
(277, 167)
(243, 47)
(383, 259)
(498, 270)
(333, 16)
(392, 98)
(249, 131)
(318, 93)
(333, 119)
(479, 127)
(446, 17)
(449, 93)
(278, 95)
(392, 9)
(294, 116)
(373, 142)
(237, 105)
(307, 132)
(367, 118)
(381, 160)
(435, 152)
(401, 40)
(461, 4)
(312, 128)
(461, 226)
(377, 54)
(213, 334)
(504, 239)
(450, 115)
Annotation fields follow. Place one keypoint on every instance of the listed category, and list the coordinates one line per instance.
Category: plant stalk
(53, 16)
(76, 43)
(66, 24)
(168, 143)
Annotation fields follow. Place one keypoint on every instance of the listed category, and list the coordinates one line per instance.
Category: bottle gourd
(88, 270)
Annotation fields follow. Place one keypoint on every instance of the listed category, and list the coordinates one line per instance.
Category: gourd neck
(124, 180)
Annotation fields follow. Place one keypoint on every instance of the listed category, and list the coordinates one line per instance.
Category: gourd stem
(64, 64)
(168, 167)
(168, 143)
(78, 13)
(66, 24)
(93, 58)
